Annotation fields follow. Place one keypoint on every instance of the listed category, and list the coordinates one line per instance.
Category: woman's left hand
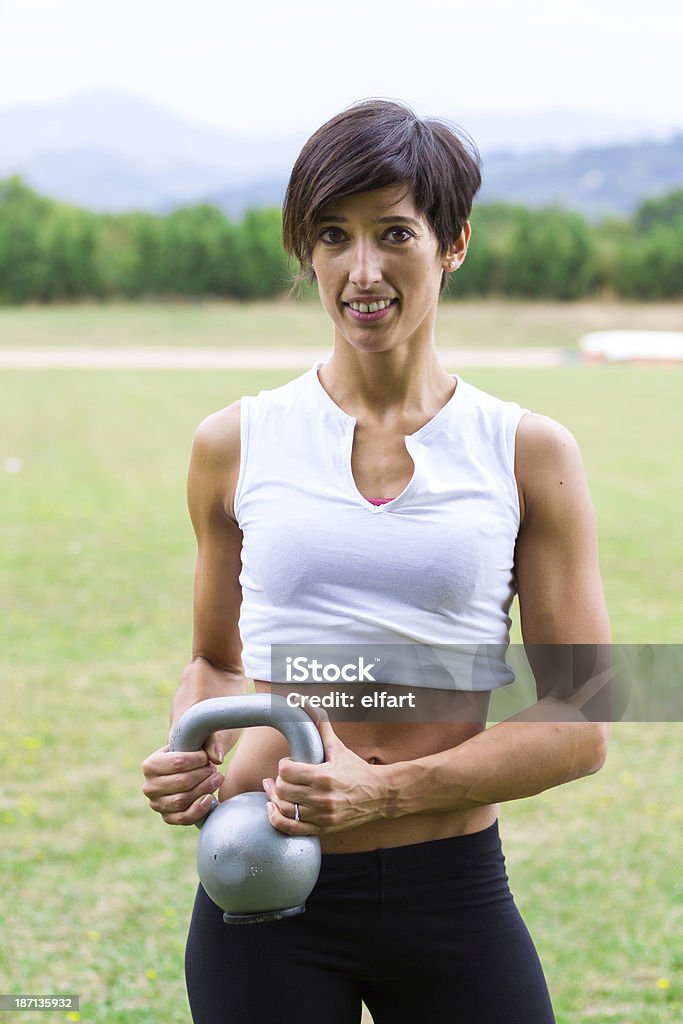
(342, 792)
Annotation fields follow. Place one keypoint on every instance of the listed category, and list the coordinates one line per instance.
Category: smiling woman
(378, 499)
(374, 269)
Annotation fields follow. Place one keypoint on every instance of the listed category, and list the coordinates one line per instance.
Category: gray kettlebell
(251, 870)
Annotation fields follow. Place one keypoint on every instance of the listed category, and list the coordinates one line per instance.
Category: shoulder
(219, 433)
(547, 460)
(542, 440)
(215, 459)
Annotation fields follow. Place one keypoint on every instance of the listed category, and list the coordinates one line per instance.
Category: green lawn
(96, 561)
(490, 322)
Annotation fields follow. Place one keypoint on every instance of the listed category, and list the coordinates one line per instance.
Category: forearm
(203, 680)
(509, 761)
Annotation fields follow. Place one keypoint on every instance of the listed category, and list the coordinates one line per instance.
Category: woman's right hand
(178, 784)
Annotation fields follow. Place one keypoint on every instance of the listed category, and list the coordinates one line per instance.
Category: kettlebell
(251, 870)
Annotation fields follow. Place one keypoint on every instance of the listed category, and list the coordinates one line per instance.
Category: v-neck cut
(412, 442)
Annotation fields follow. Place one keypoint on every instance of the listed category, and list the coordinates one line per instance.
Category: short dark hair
(372, 144)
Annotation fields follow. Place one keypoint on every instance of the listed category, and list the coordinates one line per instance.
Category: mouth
(368, 312)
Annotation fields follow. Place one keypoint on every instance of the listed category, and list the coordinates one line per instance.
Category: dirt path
(252, 358)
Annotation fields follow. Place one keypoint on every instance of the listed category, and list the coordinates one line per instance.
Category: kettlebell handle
(208, 716)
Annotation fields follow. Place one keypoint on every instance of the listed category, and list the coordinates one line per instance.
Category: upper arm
(212, 477)
(560, 592)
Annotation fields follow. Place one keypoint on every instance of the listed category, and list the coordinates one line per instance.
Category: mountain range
(116, 152)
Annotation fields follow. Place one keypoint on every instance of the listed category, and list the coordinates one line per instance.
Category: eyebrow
(379, 220)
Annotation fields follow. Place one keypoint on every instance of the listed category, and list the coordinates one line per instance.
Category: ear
(456, 253)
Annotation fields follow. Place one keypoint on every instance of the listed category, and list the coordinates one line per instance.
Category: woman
(377, 498)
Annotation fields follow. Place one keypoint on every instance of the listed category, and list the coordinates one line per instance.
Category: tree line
(51, 251)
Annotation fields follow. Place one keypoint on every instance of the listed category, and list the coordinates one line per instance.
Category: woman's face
(374, 249)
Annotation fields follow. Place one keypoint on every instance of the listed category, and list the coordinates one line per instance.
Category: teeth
(362, 307)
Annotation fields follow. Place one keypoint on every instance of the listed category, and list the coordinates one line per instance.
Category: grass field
(490, 323)
(96, 563)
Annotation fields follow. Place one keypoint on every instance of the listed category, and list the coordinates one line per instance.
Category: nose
(365, 269)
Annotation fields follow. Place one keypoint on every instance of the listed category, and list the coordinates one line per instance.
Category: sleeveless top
(432, 568)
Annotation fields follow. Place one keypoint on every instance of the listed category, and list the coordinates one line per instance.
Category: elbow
(597, 743)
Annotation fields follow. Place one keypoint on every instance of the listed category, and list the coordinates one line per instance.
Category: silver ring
(296, 812)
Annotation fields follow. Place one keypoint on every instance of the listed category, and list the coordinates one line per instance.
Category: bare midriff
(260, 749)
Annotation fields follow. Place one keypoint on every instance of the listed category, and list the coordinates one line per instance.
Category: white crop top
(323, 565)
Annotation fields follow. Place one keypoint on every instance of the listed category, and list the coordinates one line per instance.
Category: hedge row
(51, 251)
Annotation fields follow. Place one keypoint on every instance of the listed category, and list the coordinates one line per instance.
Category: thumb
(327, 733)
(214, 749)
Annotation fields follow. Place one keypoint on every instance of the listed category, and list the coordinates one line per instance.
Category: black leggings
(428, 932)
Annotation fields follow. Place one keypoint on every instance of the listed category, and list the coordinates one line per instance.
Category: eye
(336, 232)
(400, 231)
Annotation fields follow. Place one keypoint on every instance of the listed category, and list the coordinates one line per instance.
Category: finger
(279, 790)
(289, 808)
(187, 784)
(214, 748)
(322, 720)
(167, 762)
(191, 815)
(293, 828)
(331, 741)
(184, 808)
(317, 714)
(298, 774)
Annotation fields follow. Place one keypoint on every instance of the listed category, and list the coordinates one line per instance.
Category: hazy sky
(278, 67)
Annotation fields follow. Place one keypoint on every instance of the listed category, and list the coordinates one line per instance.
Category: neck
(376, 385)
